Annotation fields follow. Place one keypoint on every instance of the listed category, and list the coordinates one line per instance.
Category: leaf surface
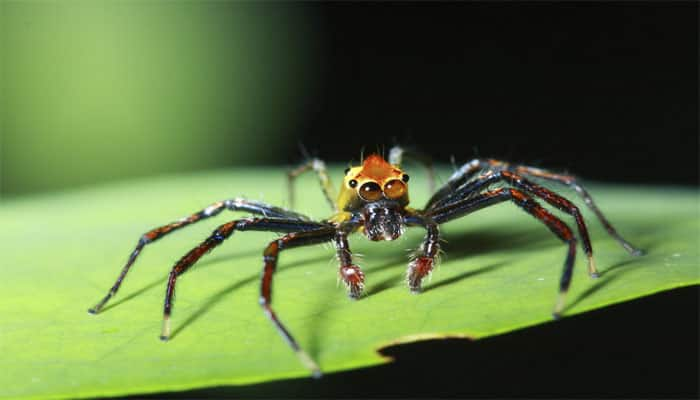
(500, 272)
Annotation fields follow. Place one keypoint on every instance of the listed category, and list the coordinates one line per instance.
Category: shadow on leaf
(219, 296)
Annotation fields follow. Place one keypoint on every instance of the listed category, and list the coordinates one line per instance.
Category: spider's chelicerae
(373, 199)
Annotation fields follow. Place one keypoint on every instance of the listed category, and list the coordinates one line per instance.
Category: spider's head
(379, 191)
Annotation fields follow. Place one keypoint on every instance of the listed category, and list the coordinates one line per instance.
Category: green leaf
(61, 253)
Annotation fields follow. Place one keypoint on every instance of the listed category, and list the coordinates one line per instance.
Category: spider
(374, 200)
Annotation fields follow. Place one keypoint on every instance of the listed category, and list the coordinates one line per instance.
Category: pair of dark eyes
(371, 191)
(353, 182)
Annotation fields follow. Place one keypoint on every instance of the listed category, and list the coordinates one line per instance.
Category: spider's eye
(395, 189)
(352, 183)
(346, 171)
(405, 177)
(370, 191)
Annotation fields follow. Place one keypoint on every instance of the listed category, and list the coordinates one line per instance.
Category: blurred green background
(93, 91)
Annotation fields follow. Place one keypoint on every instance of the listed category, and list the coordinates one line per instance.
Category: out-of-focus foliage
(91, 91)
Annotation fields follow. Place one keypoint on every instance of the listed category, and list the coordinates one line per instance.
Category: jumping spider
(373, 200)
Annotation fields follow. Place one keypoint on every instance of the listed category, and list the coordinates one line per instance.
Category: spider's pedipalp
(349, 272)
(423, 259)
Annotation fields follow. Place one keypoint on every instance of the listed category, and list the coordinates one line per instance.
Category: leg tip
(317, 374)
(309, 363)
(559, 307)
(416, 290)
(164, 338)
(594, 275)
(93, 311)
(638, 252)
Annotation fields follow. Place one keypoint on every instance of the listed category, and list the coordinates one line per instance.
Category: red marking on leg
(354, 280)
(417, 270)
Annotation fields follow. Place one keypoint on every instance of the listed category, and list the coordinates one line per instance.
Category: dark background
(607, 90)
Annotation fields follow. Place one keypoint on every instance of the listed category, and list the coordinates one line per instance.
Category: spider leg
(560, 203)
(220, 234)
(460, 183)
(270, 256)
(572, 182)
(455, 181)
(351, 274)
(424, 260)
(320, 168)
(531, 188)
(396, 154)
(151, 236)
(525, 202)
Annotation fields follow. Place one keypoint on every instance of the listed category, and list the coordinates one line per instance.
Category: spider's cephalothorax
(377, 193)
(373, 199)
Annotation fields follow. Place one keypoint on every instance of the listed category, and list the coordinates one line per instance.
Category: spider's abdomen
(383, 221)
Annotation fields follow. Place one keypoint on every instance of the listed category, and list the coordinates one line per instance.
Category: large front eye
(394, 189)
(370, 191)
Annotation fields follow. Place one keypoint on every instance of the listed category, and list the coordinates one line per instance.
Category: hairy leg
(425, 258)
(351, 274)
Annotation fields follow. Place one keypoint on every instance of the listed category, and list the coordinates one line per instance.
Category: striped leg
(572, 182)
(460, 179)
(562, 204)
(270, 256)
(522, 200)
(555, 200)
(222, 233)
(151, 236)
